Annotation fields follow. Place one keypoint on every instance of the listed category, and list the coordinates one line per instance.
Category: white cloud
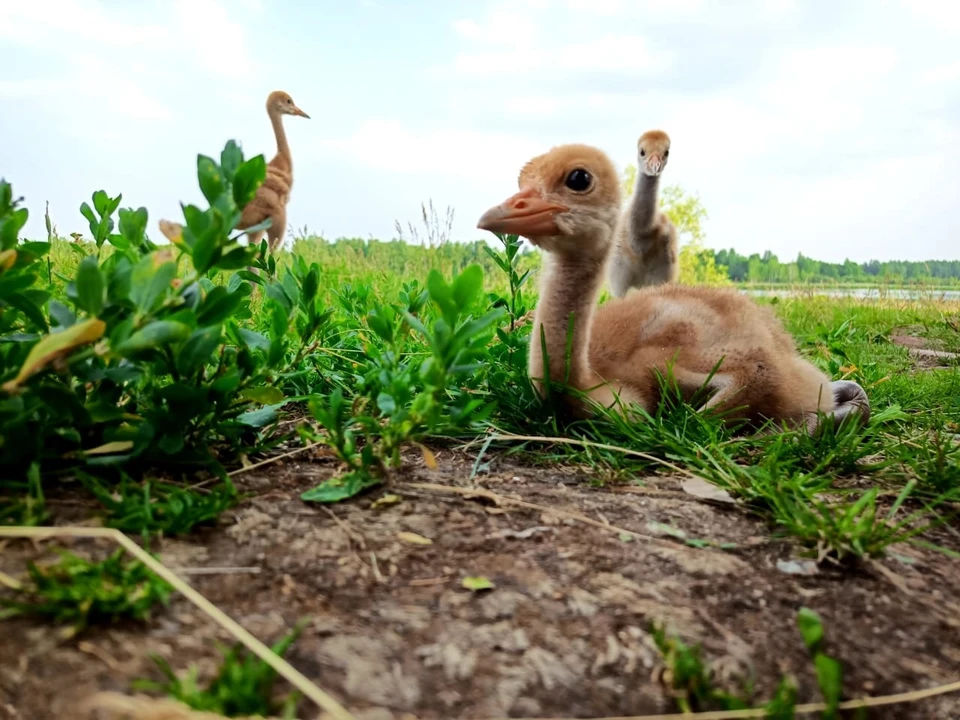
(823, 140)
(944, 14)
(944, 74)
(834, 138)
(658, 9)
(42, 23)
(121, 56)
(387, 146)
(518, 39)
(104, 105)
(201, 27)
(836, 69)
(502, 26)
(778, 8)
(121, 96)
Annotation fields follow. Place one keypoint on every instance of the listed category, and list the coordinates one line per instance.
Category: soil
(925, 352)
(565, 632)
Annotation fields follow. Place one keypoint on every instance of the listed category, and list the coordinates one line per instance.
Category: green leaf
(415, 323)
(150, 283)
(10, 228)
(251, 277)
(109, 448)
(37, 247)
(258, 418)
(380, 326)
(386, 403)
(830, 679)
(101, 202)
(466, 287)
(237, 258)
(210, 177)
(119, 272)
(90, 286)
(172, 443)
(28, 307)
(226, 383)
(207, 248)
(15, 283)
(230, 158)
(88, 213)
(154, 335)
(61, 313)
(254, 340)
(262, 225)
(341, 488)
(279, 322)
(197, 349)
(119, 242)
(497, 258)
(266, 395)
(101, 227)
(811, 628)
(56, 346)
(133, 225)
(311, 283)
(247, 179)
(217, 306)
(440, 292)
(477, 583)
(276, 292)
(197, 222)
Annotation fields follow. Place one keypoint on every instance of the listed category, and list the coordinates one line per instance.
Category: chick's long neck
(645, 201)
(569, 285)
(283, 147)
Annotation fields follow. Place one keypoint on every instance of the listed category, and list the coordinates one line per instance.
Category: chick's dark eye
(642, 152)
(579, 180)
(666, 153)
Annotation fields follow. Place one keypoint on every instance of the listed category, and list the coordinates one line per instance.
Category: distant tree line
(416, 250)
(699, 265)
(768, 268)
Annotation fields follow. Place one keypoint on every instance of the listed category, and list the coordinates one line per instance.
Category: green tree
(629, 179)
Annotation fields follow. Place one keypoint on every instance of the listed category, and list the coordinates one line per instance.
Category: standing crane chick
(274, 194)
(645, 243)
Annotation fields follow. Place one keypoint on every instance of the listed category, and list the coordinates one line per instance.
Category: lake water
(867, 293)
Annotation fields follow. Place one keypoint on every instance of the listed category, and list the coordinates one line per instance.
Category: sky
(830, 128)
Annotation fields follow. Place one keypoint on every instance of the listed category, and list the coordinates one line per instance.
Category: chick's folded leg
(722, 389)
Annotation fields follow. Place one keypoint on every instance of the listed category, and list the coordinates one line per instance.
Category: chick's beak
(298, 111)
(526, 214)
(655, 163)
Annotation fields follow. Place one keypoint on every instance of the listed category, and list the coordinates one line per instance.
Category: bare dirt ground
(565, 631)
(927, 354)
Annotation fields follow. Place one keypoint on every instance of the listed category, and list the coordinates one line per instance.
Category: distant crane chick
(274, 194)
(645, 242)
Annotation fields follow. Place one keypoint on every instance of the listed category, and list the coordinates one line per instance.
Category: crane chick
(645, 245)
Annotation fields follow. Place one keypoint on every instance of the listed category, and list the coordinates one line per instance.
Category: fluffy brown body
(760, 368)
(274, 194)
(618, 349)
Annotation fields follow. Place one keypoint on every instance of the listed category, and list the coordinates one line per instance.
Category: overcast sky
(829, 128)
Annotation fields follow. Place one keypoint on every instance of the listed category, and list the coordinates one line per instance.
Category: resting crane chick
(645, 241)
(568, 205)
(274, 194)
